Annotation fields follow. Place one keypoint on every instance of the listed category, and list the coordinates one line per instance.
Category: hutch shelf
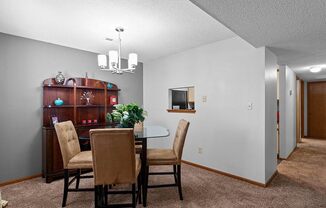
(84, 116)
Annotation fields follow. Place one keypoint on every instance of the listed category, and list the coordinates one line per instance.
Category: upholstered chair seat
(161, 157)
(82, 160)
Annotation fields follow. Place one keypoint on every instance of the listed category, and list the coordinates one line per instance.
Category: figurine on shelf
(87, 95)
(60, 79)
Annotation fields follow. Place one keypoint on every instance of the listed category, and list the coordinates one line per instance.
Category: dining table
(141, 136)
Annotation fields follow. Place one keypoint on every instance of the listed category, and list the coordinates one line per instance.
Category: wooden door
(316, 109)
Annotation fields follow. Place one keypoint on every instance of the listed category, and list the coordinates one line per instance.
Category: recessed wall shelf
(181, 111)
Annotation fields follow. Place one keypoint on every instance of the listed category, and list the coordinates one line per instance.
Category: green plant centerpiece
(126, 115)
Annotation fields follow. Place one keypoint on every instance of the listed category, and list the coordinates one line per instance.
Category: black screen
(179, 98)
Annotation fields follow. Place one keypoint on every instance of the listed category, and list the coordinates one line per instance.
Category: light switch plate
(204, 98)
(249, 106)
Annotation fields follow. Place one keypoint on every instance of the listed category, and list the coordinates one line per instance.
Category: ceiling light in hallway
(316, 68)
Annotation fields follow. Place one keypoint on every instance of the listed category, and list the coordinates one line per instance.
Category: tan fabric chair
(138, 127)
(114, 162)
(169, 157)
(73, 158)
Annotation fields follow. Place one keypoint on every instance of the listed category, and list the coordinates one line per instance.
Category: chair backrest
(180, 137)
(68, 141)
(139, 126)
(113, 156)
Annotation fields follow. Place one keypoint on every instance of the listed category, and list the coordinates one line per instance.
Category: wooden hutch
(84, 116)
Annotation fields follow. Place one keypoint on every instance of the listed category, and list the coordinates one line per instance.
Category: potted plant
(126, 115)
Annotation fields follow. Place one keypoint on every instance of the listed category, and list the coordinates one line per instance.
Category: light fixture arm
(119, 30)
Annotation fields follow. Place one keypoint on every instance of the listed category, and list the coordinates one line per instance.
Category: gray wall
(270, 114)
(24, 64)
(287, 111)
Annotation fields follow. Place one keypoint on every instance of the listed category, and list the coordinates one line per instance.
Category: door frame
(298, 111)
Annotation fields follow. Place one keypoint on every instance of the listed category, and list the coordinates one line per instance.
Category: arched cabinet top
(81, 83)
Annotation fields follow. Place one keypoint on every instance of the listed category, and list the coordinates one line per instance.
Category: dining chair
(138, 145)
(156, 157)
(114, 162)
(73, 158)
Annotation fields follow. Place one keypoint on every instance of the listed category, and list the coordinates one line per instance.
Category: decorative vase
(109, 86)
(58, 102)
(60, 79)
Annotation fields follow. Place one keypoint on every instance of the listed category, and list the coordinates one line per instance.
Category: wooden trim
(181, 111)
(308, 132)
(302, 109)
(75, 101)
(231, 175)
(20, 180)
(298, 111)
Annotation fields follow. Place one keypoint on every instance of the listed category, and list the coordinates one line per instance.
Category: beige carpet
(301, 183)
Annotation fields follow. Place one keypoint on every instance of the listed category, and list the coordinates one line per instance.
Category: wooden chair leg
(179, 181)
(98, 196)
(145, 184)
(65, 188)
(134, 203)
(139, 182)
(106, 194)
(78, 178)
(103, 203)
(175, 174)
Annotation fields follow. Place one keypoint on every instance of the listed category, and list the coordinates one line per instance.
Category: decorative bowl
(109, 85)
(58, 102)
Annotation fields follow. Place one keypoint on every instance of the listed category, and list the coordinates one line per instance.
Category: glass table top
(145, 132)
(152, 132)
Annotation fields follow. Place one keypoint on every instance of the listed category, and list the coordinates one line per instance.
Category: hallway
(306, 166)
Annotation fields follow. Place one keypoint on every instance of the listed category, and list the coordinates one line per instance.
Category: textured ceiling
(153, 28)
(295, 30)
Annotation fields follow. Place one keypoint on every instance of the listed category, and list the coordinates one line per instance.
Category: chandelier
(115, 59)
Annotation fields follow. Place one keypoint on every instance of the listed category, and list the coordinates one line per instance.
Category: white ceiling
(153, 28)
(295, 30)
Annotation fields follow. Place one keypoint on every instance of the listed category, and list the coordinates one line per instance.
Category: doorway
(299, 110)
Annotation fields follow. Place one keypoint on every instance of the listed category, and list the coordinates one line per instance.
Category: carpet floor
(301, 182)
